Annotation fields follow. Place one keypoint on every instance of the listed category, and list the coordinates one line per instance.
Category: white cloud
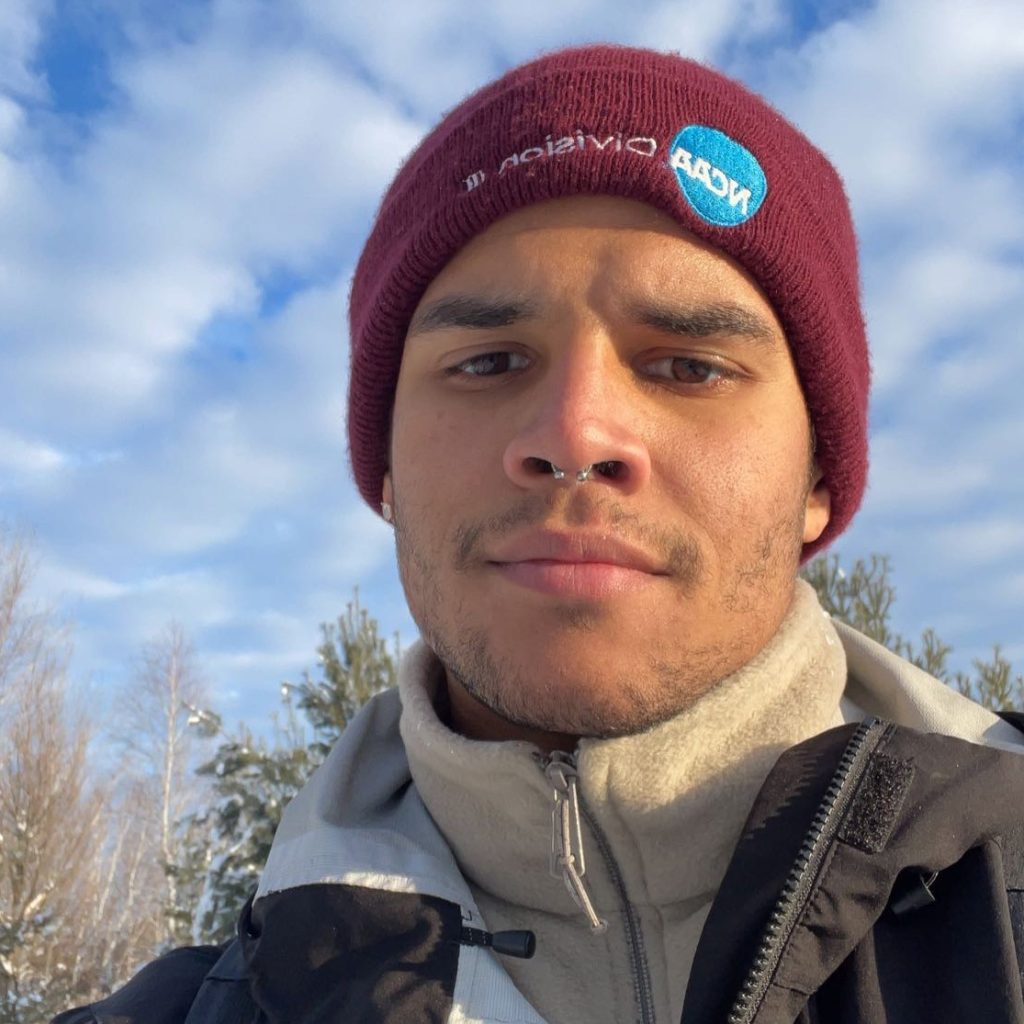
(906, 475)
(354, 542)
(282, 641)
(21, 456)
(899, 93)
(979, 541)
(20, 32)
(446, 49)
(699, 29)
(12, 121)
(187, 491)
(231, 132)
(63, 583)
(221, 164)
(197, 598)
(430, 54)
(1012, 589)
(935, 292)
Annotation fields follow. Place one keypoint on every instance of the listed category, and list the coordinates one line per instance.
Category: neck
(471, 718)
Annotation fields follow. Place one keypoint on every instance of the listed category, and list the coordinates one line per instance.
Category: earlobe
(387, 503)
(818, 512)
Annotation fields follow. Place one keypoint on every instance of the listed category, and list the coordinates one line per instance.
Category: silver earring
(385, 511)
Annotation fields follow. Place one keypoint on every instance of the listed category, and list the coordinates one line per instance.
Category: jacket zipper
(635, 940)
(564, 766)
(802, 875)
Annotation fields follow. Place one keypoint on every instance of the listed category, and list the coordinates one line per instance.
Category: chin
(578, 700)
(601, 720)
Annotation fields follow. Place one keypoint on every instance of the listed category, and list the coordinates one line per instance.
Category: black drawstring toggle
(521, 944)
(912, 893)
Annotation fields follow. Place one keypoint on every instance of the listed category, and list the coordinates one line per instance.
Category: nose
(580, 414)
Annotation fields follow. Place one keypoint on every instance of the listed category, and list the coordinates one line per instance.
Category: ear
(387, 492)
(818, 509)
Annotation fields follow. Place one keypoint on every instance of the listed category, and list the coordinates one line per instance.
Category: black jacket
(879, 878)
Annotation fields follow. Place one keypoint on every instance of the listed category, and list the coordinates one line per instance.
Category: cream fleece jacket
(670, 804)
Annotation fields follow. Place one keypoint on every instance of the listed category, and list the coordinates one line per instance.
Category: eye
(489, 364)
(687, 370)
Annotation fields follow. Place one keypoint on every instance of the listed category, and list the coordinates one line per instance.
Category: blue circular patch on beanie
(722, 180)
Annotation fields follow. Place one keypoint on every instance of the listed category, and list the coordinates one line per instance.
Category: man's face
(582, 331)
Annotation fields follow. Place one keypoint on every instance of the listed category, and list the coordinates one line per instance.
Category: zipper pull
(566, 832)
(567, 859)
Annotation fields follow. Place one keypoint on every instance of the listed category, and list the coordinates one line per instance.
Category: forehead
(615, 250)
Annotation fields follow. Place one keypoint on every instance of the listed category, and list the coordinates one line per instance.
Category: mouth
(590, 566)
(591, 580)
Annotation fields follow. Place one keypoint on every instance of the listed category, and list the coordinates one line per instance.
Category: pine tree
(226, 845)
(354, 664)
(992, 686)
(253, 779)
(864, 597)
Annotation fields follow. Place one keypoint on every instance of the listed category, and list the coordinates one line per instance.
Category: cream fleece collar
(670, 802)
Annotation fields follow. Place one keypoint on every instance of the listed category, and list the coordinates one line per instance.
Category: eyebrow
(474, 313)
(705, 321)
(708, 321)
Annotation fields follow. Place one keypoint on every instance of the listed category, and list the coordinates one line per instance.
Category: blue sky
(184, 189)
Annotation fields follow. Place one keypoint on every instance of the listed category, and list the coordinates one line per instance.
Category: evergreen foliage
(354, 664)
(863, 598)
(226, 844)
(253, 779)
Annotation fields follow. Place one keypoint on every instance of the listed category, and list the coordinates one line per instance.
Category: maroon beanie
(611, 120)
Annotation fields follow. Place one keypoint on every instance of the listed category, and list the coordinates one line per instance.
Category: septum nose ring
(582, 475)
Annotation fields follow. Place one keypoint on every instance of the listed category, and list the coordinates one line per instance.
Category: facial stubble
(658, 689)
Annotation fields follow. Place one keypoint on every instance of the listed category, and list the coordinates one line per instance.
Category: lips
(576, 549)
(582, 565)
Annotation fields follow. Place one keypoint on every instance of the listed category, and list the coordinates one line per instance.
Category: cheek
(439, 458)
(732, 476)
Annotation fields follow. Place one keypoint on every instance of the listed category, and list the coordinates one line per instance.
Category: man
(609, 384)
